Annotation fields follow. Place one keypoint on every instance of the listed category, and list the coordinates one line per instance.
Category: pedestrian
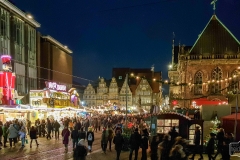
(104, 140)
(81, 151)
(28, 126)
(110, 137)
(220, 138)
(118, 141)
(48, 129)
(177, 153)
(197, 147)
(13, 134)
(1, 133)
(99, 124)
(144, 144)
(22, 135)
(81, 134)
(173, 134)
(5, 134)
(65, 137)
(134, 142)
(154, 147)
(33, 136)
(165, 147)
(90, 138)
(210, 146)
(74, 136)
(56, 126)
(227, 140)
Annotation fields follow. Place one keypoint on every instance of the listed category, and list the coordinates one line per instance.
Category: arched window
(198, 83)
(216, 76)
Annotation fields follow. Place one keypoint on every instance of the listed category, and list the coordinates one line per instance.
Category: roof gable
(215, 39)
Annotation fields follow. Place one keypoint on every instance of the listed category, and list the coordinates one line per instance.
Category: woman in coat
(104, 140)
(13, 134)
(65, 136)
(90, 138)
(33, 135)
(118, 141)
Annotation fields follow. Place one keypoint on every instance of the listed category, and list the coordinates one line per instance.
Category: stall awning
(205, 101)
(231, 117)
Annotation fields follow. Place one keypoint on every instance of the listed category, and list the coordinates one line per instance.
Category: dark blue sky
(126, 33)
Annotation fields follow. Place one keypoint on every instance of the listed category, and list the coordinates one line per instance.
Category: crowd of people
(170, 146)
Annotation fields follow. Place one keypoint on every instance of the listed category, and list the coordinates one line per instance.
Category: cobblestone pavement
(54, 150)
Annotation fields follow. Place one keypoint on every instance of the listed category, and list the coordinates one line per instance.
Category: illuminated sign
(55, 86)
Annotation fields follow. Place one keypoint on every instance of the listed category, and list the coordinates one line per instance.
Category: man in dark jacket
(134, 141)
(220, 139)
(210, 146)
(74, 136)
(197, 148)
(118, 141)
(144, 144)
(56, 129)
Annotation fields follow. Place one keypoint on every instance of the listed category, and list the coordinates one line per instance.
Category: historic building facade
(138, 89)
(18, 39)
(208, 69)
(89, 96)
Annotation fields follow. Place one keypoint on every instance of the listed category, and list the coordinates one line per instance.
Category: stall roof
(205, 101)
(231, 117)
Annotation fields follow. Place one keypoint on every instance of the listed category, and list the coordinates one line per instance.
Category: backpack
(90, 137)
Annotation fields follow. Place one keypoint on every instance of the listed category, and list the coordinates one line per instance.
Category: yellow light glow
(30, 16)
(154, 79)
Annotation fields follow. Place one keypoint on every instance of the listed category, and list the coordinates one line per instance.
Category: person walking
(144, 144)
(28, 126)
(13, 134)
(104, 140)
(82, 134)
(22, 135)
(118, 141)
(5, 134)
(90, 138)
(49, 129)
(74, 136)
(197, 149)
(210, 146)
(154, 147)
(33, 136)
(56, 127)
(134, 142)
(81, 151)
(165, 147)
(110, 137)
(220, 138)
(65, 136)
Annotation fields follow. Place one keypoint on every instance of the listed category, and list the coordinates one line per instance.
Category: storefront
(54, 101)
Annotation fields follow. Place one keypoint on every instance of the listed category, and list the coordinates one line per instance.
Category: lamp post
(126, 97)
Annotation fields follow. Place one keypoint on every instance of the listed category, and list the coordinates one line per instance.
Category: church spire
(214, 5)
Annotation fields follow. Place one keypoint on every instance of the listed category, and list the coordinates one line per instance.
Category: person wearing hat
(81, 151)
(210, 146)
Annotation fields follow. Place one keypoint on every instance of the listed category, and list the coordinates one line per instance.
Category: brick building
(207, 69)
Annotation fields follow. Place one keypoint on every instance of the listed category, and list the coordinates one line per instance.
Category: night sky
(126, 33)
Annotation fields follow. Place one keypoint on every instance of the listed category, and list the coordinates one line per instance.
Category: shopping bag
(26, 140)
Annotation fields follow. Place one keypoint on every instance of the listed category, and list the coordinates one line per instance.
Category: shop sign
(55, 86)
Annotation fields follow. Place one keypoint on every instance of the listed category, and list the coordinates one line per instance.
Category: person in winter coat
(165, 147)
(110, 137)
(90, 138)
(177, 153)
(154, 147)
(144, 144)
(220, 139)
(104, 140)
(74, 136)
(33, 135)
(118, 141)
(134, 142)
(81, 151)
(13, 134)
(210, 146)
(82, 134)
(5, 134)
(49, 129)
(56, 127)
(65, 136)
(22, 133)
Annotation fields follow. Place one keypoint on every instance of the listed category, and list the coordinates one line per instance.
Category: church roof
(215, 39)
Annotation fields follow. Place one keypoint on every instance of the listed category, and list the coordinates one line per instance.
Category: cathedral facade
(208, 69)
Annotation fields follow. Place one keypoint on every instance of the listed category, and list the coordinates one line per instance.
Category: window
(192, 133)
(20, 80)
(216, 76)
(32, 46)
(165, 125)
(4, 32)
(33, 83)
(18, 33)
(198, 83)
